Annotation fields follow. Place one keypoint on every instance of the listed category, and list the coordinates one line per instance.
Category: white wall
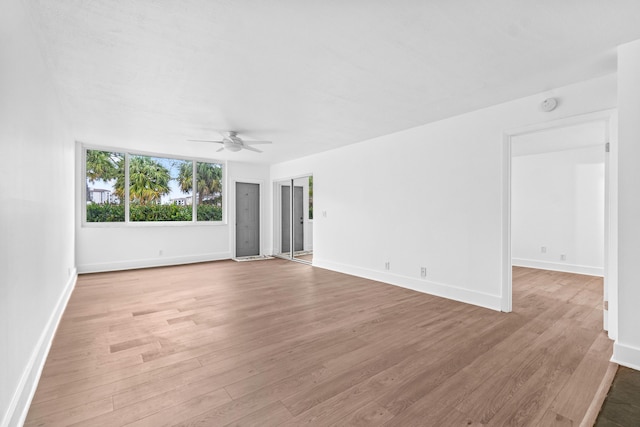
(36, 211)
(627, 346)
(429, 196)
(115, 247)
(557, 202)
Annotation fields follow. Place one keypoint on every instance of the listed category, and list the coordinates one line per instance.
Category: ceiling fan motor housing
(232, 142)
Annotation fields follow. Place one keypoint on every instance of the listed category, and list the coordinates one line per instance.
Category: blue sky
(171, 164)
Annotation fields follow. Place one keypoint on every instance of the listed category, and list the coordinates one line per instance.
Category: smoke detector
(549, 104)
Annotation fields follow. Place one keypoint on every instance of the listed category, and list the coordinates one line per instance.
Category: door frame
(281, 211)
(232, 212)
(610, 292)
(294, 203)
(277, 215)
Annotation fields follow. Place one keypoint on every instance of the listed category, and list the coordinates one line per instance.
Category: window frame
(127, 222)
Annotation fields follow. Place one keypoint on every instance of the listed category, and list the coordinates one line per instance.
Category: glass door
(296, 218)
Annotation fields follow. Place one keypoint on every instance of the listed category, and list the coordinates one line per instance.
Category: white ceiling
(311, 75)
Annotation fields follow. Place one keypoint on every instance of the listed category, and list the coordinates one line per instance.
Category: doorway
(247, 219)
(591, 134)
(294, 218)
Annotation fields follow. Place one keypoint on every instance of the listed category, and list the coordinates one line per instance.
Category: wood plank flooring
(282, 343)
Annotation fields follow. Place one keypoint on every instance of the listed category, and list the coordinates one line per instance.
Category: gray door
(285, 219)
(247, 219)
(298, 213)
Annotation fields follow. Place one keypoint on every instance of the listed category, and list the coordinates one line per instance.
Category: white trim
(603, 115)
(468, 296)
(143, 224)
(152, 262)
(506, 288)
(611, 221)
(232, 212)
(21, 400)
(626, 355)
(556, 266)
(277, 219)
(126, 203)
(127, 222)
(87, 146)
(610, 268)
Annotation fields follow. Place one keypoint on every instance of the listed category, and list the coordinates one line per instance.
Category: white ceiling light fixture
(232, 142)
(549, 104)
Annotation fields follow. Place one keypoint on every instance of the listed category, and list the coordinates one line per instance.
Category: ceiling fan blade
(205, 140)
(219, 149)
(256, 142)
(248, 147)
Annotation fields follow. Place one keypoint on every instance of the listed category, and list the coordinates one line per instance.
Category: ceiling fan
(232, 142)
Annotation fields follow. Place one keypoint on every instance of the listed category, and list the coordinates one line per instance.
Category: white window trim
(127, 223)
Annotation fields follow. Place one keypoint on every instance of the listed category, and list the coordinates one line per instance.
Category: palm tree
(103, 165)
(185, 177)
(148, 180)
(208, 179)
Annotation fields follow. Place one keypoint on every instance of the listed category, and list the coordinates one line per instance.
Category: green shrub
(209, 213)
(139, 213)
(159, 213)
(105, 213)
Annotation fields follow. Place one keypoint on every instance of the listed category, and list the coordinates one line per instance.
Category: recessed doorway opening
(559, 214)
(294, 219)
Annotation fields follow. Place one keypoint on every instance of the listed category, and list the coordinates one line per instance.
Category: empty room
(290, 213)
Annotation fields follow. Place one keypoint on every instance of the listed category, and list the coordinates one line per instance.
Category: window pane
(209, 191)
(104, 186)
(160, 189)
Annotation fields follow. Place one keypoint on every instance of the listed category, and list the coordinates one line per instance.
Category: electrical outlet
(543, 249)
(160, 252)
(324, 214)
(563, 257)
(387, 265)
(423, 272)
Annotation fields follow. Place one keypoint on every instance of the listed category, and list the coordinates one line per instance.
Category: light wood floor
(282, 343)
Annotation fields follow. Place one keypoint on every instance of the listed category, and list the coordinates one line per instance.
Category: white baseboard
(19, 406)
(626, 355)
(493, 302)
(151, 262)
(558, 266)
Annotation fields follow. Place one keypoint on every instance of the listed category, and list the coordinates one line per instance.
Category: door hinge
(605, 305)
(607, 147)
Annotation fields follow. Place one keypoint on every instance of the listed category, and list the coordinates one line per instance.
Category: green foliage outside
(103, 165)
(208, 176)
(159, 213)
(105, 213)
(148, 181)
(115, 213)
(209, 213)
